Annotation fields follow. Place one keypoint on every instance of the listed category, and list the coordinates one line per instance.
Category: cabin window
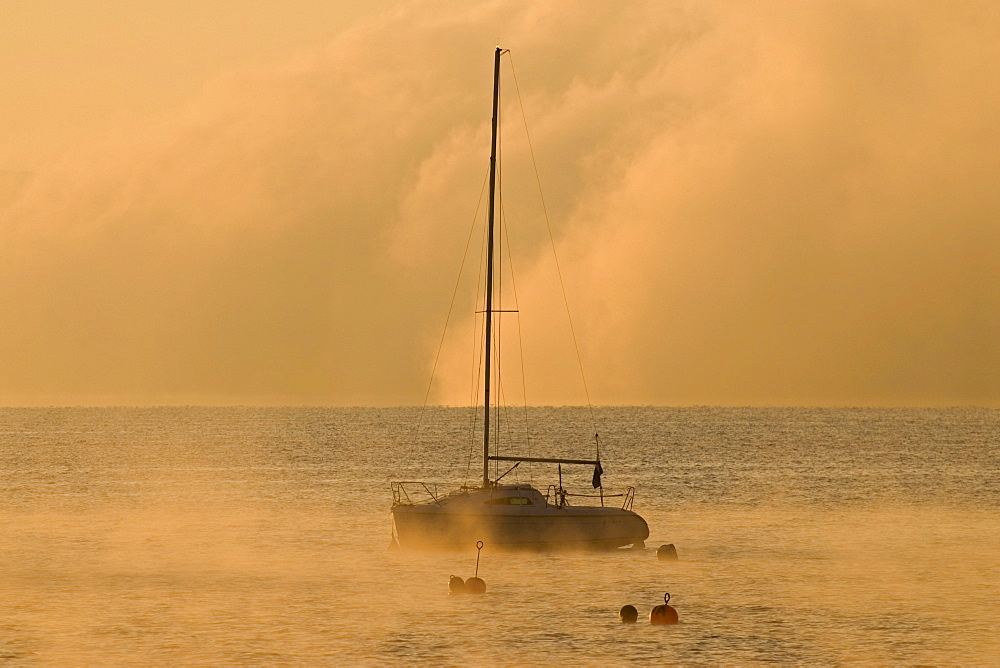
(511, 501)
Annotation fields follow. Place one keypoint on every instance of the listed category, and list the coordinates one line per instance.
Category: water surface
(253, 535)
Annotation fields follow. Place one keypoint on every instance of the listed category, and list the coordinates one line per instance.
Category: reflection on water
(190, 535)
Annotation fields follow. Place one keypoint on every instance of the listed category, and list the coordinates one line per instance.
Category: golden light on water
(251, 535)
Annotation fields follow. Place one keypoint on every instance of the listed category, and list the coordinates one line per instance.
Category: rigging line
(498, 283)
(499, 385)
(503, 409)
(552, 242)
(447, 319)
(500, 425)
(477, 367)
(520, 340)
(503, 406)
(454, 293)
(507, 421)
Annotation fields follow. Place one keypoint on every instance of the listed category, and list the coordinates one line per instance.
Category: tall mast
(489, 271)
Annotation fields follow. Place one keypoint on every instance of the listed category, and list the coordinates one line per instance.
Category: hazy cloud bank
(772, 203)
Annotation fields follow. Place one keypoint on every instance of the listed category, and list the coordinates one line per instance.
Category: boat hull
(458, 524)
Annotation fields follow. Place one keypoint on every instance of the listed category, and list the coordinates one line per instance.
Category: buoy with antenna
(475, 584)
(663, 614)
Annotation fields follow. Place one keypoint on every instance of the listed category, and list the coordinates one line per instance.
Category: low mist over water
(248, 535)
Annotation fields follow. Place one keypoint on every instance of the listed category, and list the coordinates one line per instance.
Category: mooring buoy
(628, 614)
(666, 552)
(475, 584)
(456, 585)
(663, 614)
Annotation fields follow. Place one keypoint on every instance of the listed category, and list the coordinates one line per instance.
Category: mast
(489, 270)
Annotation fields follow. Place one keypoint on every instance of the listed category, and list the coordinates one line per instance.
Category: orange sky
(262, 202)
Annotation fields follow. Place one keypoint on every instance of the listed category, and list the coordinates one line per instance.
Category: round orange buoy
(663, 614)
(456, 585)
(475, 585)
(666, 552)
(628, 614)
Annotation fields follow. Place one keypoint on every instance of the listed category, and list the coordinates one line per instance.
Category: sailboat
(512, 516)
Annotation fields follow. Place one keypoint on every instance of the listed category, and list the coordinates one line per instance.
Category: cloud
(775, 203)
(814, 221)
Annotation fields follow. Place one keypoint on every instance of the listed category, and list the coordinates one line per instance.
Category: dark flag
(598, 470)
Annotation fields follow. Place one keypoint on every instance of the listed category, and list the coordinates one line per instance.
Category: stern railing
(560, 495)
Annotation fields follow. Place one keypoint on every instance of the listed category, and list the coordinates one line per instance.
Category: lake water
(260, 535)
